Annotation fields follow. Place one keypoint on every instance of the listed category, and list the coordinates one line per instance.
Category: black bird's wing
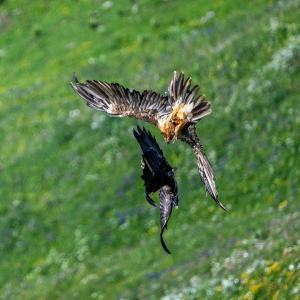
(166, 204)
(154, 165)
(119, 101)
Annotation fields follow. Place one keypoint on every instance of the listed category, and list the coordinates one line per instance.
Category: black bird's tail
(165, 205)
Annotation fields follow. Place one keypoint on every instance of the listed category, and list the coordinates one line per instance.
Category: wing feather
(181, 91)
(205, 170)
(117, 100)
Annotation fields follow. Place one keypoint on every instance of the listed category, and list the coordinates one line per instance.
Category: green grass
(74, 223)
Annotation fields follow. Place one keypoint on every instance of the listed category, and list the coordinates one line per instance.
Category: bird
(175, 113)
(157, 175)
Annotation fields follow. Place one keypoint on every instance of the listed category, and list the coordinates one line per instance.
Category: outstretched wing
(205, 170)
(117, 100)
(182, 93)
(165, 205)
(154, 165)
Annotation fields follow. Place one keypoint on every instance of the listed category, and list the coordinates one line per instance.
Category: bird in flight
(175, 114)
(157, 175)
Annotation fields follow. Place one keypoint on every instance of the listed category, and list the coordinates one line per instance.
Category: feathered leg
(206, 173)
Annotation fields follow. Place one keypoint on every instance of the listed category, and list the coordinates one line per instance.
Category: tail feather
(165, 205)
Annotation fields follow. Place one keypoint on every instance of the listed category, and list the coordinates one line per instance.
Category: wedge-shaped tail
(167, 202)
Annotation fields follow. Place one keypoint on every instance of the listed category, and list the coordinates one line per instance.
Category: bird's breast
(172, 124)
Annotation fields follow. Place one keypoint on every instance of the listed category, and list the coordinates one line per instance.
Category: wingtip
(219, 203)
(216, 199)
(222, 206)
(181, 73)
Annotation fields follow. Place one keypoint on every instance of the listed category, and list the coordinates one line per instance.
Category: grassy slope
(74, 223)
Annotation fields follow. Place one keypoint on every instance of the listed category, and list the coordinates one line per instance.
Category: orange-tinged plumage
(172, 125)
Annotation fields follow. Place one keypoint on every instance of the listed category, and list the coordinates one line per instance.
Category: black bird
(157, 175)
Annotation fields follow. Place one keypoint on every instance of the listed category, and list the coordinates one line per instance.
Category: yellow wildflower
(255, 288)
(153, 230)
(2, 89)
(238, 243)
(274, 267)
(218, 288)
(85, 45)
(279, 182)
(245, 277)
(283, 204)
(247, 297)
(194, 23)
(270, 199)
(276, 295)
(289, 274)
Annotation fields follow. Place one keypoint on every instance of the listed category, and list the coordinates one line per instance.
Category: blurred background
(74, 223)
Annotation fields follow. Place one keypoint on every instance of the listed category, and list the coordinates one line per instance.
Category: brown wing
(207, 174)
(205, 170)
(182, 92)
(117, 100)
